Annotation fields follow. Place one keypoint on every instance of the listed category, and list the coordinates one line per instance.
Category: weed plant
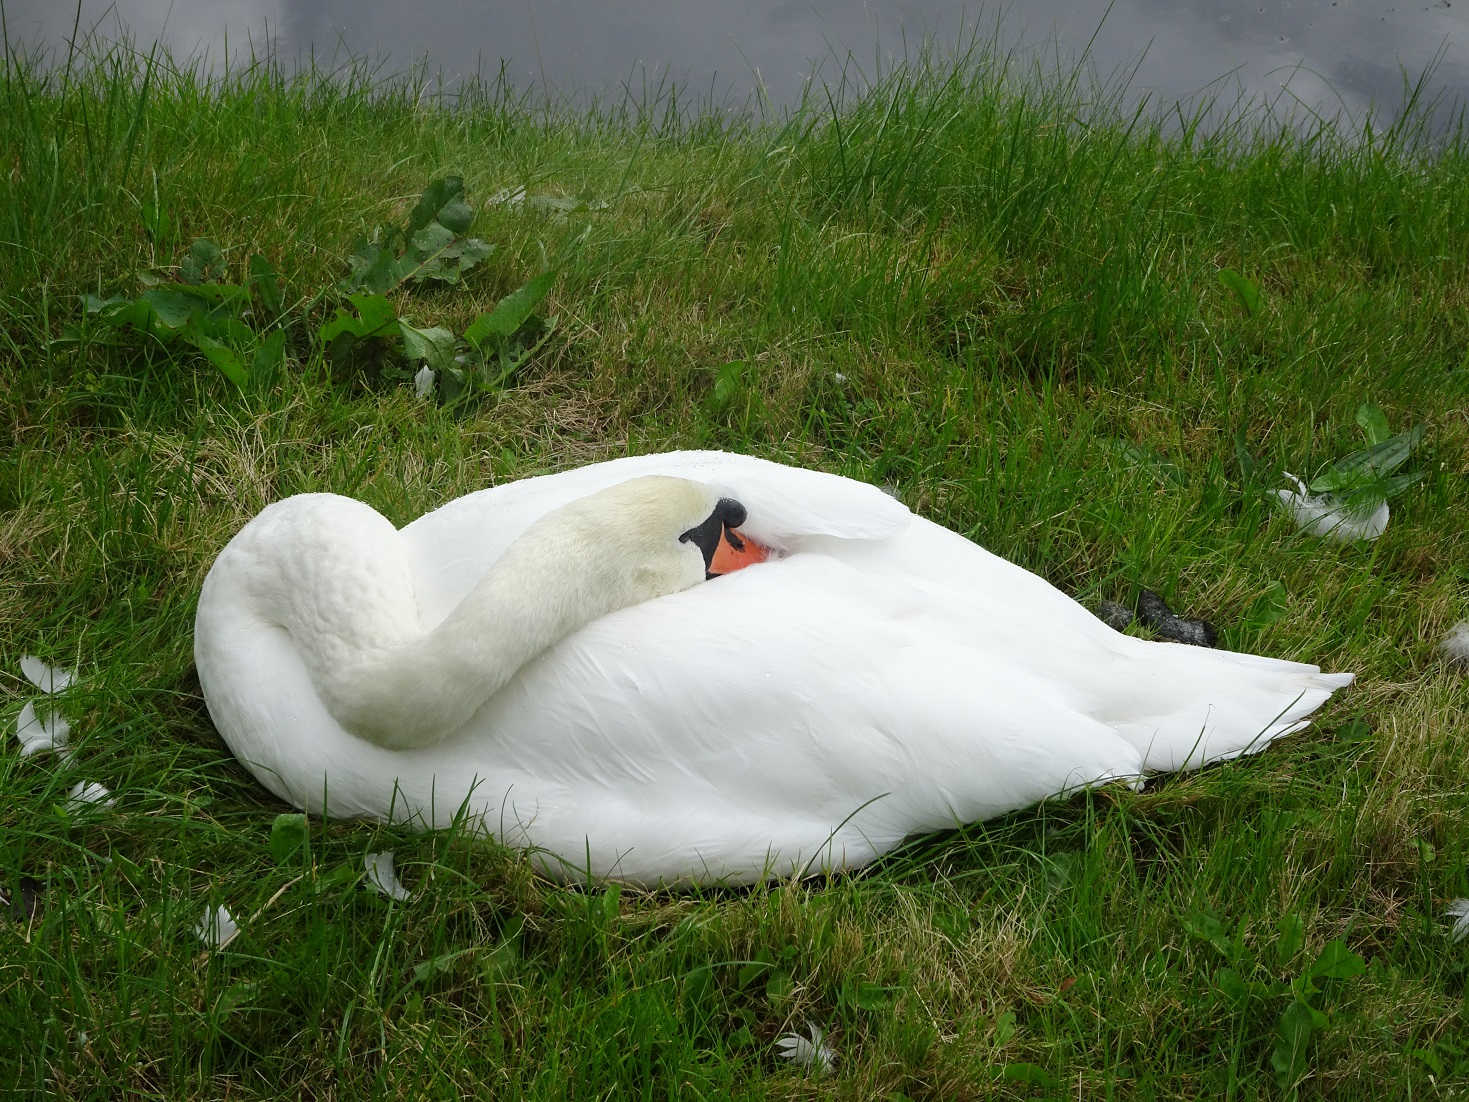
(993, 293)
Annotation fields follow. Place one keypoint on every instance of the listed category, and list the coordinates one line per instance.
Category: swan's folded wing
(755, 725)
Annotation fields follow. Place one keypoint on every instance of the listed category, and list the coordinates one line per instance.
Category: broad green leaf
(1292, 937)
(1373, 422)
(502, 962)
(511, 312)
(863, 995)
(212, 295)
(436, 966)
(121, 312)
(698, 990)
(1246, 290)
(234, 997)
(1242, 455)
(1143, 459)
(433, 238)
(458, 258)
(440, 259)
(375, 318)
(1206, 927)
(1390, 487)
(1337, 962)
(451, 383)
(1292, 1035)
(442, 201)
(287, 835)
(1430, 1059)
(1033, 1074)
(374, 268)
(341, 874)
(1361, 467)
(266, 283)
(94, 304)
(1268, 608)
(1231, 985)
(432, 346)
(203, 263)
(158, 224)
(779, 986)
(430, 247)
(269, 354)
(227, 327)
(514, 357)
(727, 383)
(172, 306)
(1004, 1026)
(218, 353)
(611, 902)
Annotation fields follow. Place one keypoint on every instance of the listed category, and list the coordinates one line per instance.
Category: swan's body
(880, 677)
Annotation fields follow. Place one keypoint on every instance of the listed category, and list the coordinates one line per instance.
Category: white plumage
(881, 676)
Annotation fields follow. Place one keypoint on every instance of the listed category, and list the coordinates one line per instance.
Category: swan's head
(656, 535)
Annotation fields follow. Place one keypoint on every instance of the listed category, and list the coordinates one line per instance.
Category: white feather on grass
(43, 731)
(812, 1053)
(217, 927)
(49, 679)
(383, 877)
(87, 794)
(423, 381)
(1455, 645)
(1323, 516)
(1459, 912)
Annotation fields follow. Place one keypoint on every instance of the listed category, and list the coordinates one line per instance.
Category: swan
(691, 667)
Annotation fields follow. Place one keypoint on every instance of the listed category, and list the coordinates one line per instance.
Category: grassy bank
(994, 296)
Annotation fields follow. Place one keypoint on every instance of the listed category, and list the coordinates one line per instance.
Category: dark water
(1324, 56)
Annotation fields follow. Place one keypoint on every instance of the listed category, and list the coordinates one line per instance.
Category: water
(1328, 57)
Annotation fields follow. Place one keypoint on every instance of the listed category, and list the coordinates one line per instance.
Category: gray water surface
(1324, 56)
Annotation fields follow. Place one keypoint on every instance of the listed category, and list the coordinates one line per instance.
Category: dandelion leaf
(288, 834)
(1246, 290)
(434, 346)
(442, 202)
(511, 312)
(1373, 422)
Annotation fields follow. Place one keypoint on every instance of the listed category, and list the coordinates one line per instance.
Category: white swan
(546, 657)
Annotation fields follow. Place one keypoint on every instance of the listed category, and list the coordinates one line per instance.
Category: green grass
(983, 289)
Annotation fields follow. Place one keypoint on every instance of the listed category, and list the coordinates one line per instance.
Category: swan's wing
(784, 715)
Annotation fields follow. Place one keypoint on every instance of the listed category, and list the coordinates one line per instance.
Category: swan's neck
(429, 685)
(335, 575)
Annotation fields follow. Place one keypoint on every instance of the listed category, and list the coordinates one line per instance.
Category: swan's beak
(736, 551)
(720, 541)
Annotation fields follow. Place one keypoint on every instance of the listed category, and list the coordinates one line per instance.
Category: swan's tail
(1187, 706)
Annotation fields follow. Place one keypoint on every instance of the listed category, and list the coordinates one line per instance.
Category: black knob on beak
(729, 513)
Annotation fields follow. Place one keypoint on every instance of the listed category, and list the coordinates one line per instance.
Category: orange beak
(736, 551)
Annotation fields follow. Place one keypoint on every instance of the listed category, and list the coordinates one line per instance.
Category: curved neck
(334, 574)
(550, 582)
(423, 689)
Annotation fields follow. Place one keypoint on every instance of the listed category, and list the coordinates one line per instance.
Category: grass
(984, 289)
